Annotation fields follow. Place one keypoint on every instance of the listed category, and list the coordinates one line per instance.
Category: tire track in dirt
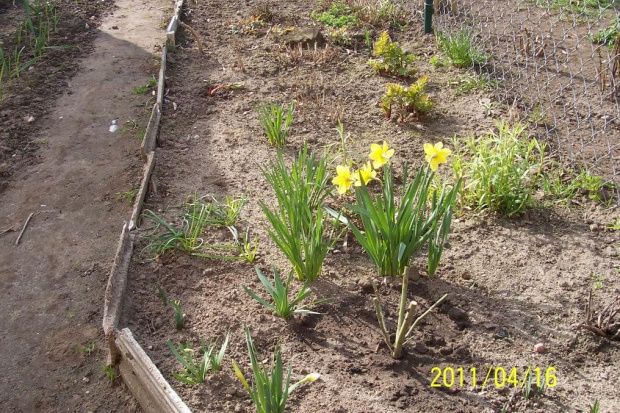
(52, 283)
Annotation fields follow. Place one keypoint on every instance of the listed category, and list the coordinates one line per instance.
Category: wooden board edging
(115, 291)
(144, 186)
(144, 380)
(149, 143)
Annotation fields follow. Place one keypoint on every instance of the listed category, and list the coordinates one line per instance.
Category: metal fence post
(428, 16)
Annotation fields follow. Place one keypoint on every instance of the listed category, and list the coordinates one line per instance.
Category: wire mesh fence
(557, 62)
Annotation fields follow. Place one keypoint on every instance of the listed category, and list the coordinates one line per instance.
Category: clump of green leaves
(460, 49)
(216, 214)
(578, 7)
(595, 407)
(179, 316)
(110, 372)
(297, 224)
(196, 368)
(390, 59)
(500, 170)
(141, 90)
(127, 196)
(412, 100)
(161, 293)
(567, 185)
(338, 15)
(271, 386)
(87, 349)
(608, 35)
(279, 292)
(469, 83)
(275, 120)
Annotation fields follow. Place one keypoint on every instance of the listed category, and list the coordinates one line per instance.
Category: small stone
(539, 348)
(594, 227)
(604, 375)
(85, 379)
(158, 323)
(207, 271)
(446, 351)
(466, 275)
(238, 408)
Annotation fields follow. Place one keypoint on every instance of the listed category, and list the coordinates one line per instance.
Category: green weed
(195, 369)
(127, 196)
(87, 349)
(141, 90)
(565, 185)
(275, 120)
(247, 249)
(338, 15)
(217, 214)
(161, 293)
(271, 386)
(110, 372)
(586, 8)
(500, 170)
(608, 35)
(279, 292)
(460, 49)
(595, 407)
(470, 83)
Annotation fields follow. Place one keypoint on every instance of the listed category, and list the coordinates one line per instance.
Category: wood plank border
(144, 186)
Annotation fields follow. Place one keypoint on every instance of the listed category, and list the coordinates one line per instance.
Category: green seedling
(474, 82)
(127, 196)
(279, 292)
(179, 316)
(275, 120)
(338, 15)
(161, 293)
(141, 90)
(217, 214)
(110, 373)
(195, 368)
(87, 349)
(271, 386)
(246, 248)
(216, 359)
(390, 59)
(595, 407)
(607, 36)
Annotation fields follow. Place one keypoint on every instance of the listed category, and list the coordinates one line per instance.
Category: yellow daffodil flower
(365, 173)
(344, 179)
(436, 155)
(380, 155)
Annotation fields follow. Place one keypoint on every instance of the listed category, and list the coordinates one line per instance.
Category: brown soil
(67, 169)
(511, 283)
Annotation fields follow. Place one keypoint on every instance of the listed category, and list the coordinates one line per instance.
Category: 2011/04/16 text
(498, 376)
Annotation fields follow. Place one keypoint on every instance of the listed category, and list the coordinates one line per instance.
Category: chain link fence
(556, 62)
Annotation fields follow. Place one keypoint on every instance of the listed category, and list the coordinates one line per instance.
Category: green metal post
(428, 16)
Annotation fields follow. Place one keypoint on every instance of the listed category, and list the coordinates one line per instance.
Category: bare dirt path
(52, 283)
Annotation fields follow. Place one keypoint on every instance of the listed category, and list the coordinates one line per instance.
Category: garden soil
(60, 162)
(511, 283)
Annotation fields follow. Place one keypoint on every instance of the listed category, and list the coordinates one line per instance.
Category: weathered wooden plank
(144, 186)
(149, 143)
(144, 380)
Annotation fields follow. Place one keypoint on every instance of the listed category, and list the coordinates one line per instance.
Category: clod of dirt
(304, 36)
(457, 315)
(539, 348)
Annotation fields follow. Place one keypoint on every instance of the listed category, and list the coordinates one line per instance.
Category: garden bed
(511, 283)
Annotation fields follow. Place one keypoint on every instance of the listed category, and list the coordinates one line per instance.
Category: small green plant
(179, 316)
(595, 407)
(279, 293)
(608, 35)
(474, 82)
(195, 368)
(368, 40)
(275, 120)
(87, 349)
(564, 185)
(340, 36)
(271, 386)
(396, 230)
(577, 7)
(390, 58)
(500, 170)
(412, 100)
(597, 280)
(217, 214)
(141, 90)
(338, 15)
(127, 196)
(297, 224)
(161, 293)
(436, 61)
(110, 372)
(216, 359)
(460, 49)
(247, 249)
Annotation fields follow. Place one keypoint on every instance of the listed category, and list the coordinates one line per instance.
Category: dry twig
(19, 237)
